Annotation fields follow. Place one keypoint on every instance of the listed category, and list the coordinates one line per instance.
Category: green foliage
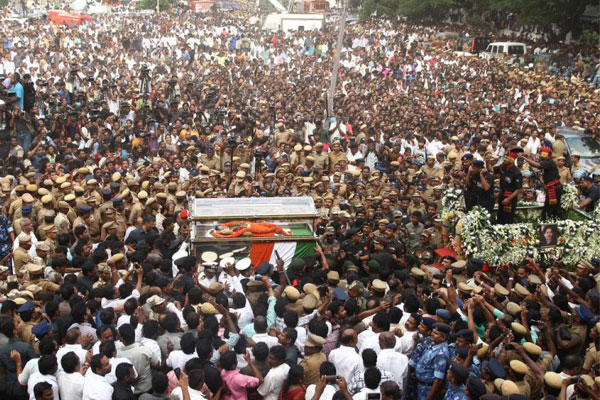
(565, 13)
(151, 4)
(591, 37)
(475, 19)
(3, 3)
(379, 8)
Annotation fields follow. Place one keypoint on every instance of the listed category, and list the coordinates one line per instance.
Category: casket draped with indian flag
(259, 228)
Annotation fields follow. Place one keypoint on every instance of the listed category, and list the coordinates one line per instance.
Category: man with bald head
(391, 360)
(345, 358)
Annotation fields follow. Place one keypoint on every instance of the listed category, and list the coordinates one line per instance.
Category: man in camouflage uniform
(329, 244)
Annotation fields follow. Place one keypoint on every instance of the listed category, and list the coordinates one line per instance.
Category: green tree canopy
(565, 13)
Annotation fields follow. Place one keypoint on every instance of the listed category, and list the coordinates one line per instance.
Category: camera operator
(28, 93)
(20, 124)
(160, 111)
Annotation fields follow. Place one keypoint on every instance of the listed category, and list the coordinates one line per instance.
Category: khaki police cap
(553, 380)
(215, 288)
(208, 309)
(532, 348)
(500, 290)
(291, 293)
(508, 388)
(309, 301)
(519, 367)
(521, 290)
(518, 328)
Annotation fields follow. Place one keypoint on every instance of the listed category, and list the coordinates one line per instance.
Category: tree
(151, 4)
(566, 14)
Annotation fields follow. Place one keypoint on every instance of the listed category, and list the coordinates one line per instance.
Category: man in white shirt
(70, 379)
(372, 382)
(47, 367)
(261, 335)
(73, 343)
(389, 359)
(178, 358)
(278, 373)
(142, 358)
(407, 340)
(96, 387)
(345, 358)
(370, 340)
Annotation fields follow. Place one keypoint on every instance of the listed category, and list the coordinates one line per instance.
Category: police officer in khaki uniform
(91, 187)
(21, 256)
(171, 190)
(3, 278)
(563, 171)
(47, 205)
(210, 159)
(30, 199)
(292, 294)
(84, 218)
(119, 217)
(94, 225)
(36, 277)
(180, 201)
(80, 198)
(321, 158)
(430, 169)
(51, 232)
(106, 201)
(108, 228)
(459, 269)
(104, 276)
(313, 357)
(71, 212)
(18, 202)
(137, 210)
(49, 216)
(41, 251)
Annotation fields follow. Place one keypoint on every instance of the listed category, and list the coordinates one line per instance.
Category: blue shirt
(456, 393)
(249, 331)
(424, 344)
(433, 364)
(18, 90)
(5, 230)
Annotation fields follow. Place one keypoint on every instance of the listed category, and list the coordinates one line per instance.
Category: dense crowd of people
(110, 128)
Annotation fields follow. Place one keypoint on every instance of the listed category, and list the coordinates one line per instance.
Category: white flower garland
(453, 200)
(570, 197)
(513, 243)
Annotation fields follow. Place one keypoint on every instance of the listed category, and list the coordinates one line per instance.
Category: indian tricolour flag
(288, 250)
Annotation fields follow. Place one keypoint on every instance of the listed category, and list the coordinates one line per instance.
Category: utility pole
(336, 63)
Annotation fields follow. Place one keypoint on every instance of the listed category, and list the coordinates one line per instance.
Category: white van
(516, 49)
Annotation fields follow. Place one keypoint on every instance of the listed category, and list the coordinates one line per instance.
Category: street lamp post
(336, 63)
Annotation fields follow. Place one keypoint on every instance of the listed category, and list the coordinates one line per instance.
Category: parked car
(507, 48)
(583, 144)
(473, 45)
